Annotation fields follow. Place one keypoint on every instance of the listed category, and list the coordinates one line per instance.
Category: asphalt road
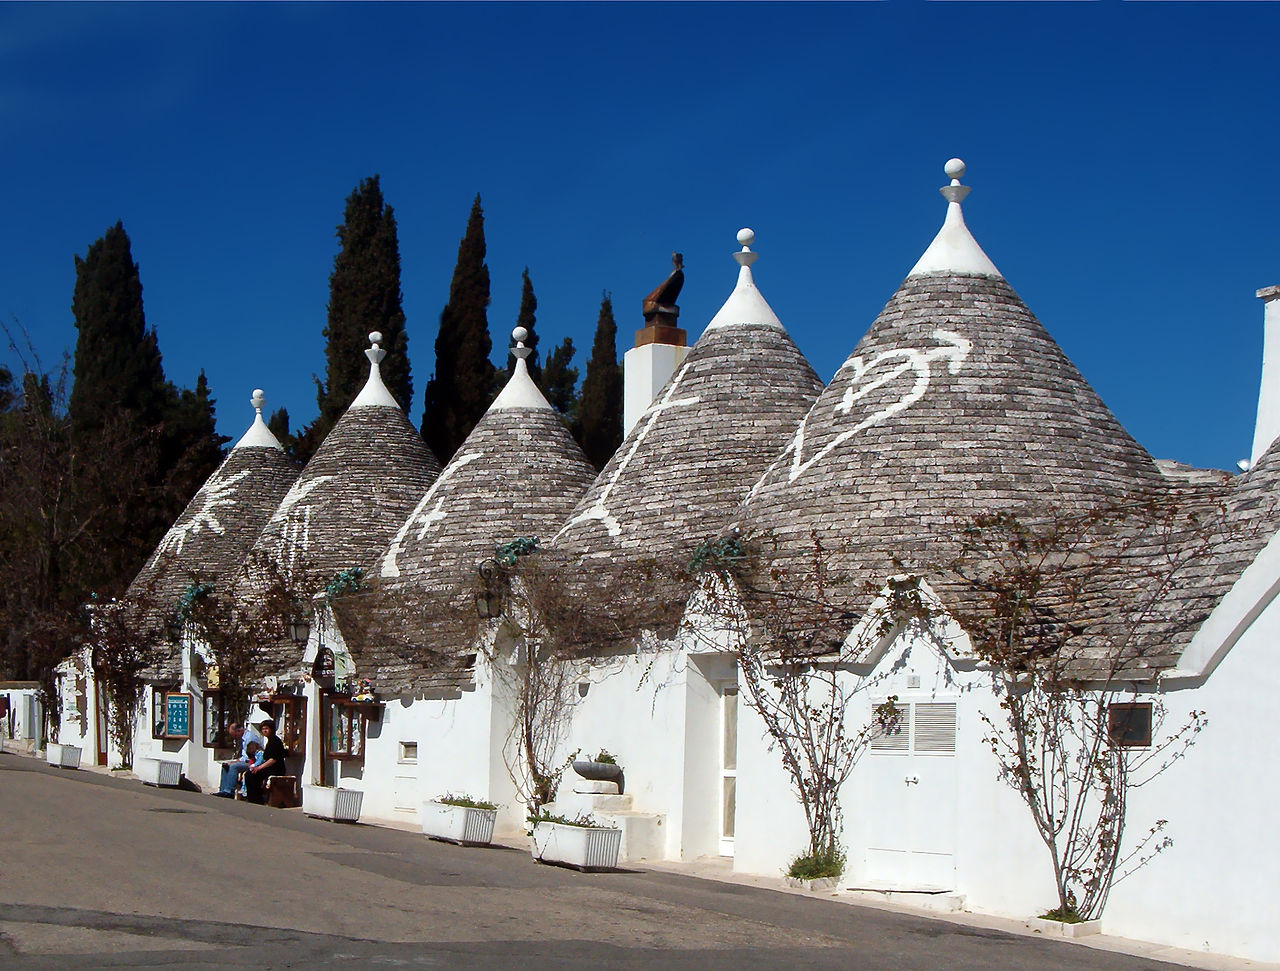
(101, 872)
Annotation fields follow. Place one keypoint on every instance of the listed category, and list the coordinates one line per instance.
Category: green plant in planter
(818, 866)
(1064, 915)
(586, 820)
(605, 758)
(465, 801)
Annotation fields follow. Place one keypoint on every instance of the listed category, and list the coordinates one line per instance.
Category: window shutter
(935, 727)
(896, 738)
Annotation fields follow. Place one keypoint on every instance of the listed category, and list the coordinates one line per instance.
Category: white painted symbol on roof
(390, 564)
(867, 376)
(295, 529)
(217, 495)
(598, 510)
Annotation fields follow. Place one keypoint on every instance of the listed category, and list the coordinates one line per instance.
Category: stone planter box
(599, 771)
(63, 756)
(458, 824)
(818, 885)
(158, 772)
(1057, 928)
(326, 802)
(581, 847)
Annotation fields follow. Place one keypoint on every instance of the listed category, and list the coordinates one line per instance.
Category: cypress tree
(144, 446)
(462, 386)
(364, 296)
(560, 381)
(117, 360)
(600, 407)
(278, 425)
(526, 319)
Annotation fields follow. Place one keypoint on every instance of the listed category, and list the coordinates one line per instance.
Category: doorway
(100, 721)
(911, 839)
(728, 765)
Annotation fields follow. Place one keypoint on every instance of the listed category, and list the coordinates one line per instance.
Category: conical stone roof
(722, 417)
(221, 522)
(366, 477)
(956, 402)
(518, 474)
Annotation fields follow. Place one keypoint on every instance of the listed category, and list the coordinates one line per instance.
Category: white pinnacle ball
(746, 237)
(519, 335)
(954, 168)
(376, 337)
(258, 399)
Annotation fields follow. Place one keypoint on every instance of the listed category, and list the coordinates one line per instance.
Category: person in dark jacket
(255, 780)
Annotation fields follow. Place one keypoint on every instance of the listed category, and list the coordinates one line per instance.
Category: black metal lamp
(300, 629)
(488, 602)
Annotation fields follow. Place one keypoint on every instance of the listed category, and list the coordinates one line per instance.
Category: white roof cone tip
(954, 250)
(520, 391)
(374, 394)
(258, 435)
(745, 305)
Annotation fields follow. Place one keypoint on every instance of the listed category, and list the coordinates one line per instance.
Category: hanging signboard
(323, 669)
(177, 721)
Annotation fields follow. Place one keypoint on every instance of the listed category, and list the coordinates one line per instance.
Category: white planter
(458, 824)
(63, 756)
(158, 772)
(583, 847)
(326, 802)
(816, 885)
(1057, 928)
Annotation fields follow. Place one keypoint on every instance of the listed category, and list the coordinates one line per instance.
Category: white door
(910, 825)
(728, 765)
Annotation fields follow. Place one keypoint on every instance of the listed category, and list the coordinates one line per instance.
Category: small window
(290, 713)
(344, 729)
(408, 751)
(1129, 724)
(157, 713)
(216, 721)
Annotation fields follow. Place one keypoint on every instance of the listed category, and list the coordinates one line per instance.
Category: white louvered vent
(935, 727)
(896, 738)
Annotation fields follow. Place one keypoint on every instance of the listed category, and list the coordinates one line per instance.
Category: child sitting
(253, 752)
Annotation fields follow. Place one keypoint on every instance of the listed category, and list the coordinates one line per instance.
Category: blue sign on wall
(177, 723)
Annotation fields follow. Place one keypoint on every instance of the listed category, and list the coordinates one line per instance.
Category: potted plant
(817, 871)
(1064, 922)
(603, 768)
(459, 819)
(581, 842)
(328, 802)
(63, 756)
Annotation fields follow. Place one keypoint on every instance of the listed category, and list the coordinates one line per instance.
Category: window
(917, 728)
(157, 712)
(344, 728)
(217, 719)
(1129, 724)
(290, 713)
(409, 752)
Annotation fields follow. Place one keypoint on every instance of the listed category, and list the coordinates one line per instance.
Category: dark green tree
(120, 402)
(600, 406)
(278, 425)
(462, 386)
(364, 296)
(560, 381)
(527, 318)
(117, 360)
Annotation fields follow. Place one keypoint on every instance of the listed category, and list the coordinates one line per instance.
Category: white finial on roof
(520, 391)
(374, 394)
(745, 305)
(258, 435)
(954, 250)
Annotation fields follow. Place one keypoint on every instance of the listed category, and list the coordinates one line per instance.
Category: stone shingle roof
(209, 541)
(692, 456)
(955, 403)
(518, 474)
(341, 513)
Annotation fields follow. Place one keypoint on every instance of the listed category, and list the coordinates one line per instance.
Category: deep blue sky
(1124, 159)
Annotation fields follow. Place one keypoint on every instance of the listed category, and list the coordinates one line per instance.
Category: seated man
(255, 780)
(233, 770)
